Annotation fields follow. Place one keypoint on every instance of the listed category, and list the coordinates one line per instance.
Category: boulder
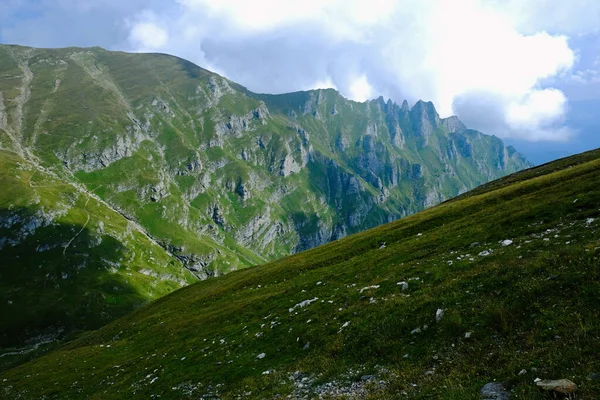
(494, 391)
(439, 314)
(558, 389)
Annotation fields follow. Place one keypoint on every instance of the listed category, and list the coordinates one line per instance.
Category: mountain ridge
(220, 177)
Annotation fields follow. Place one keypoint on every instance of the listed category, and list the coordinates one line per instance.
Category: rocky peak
(423, 109)
(453, 124)
(405, 108)
(425, 120)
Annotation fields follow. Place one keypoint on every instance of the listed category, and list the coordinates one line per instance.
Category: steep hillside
(501, 284)
(225, 178)
(68, 260)
(129, 175)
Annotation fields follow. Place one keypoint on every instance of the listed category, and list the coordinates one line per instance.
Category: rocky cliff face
(224, 178)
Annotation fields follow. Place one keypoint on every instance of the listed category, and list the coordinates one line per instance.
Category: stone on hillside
(507, 242)
(468, 335)
(261, 356)
(494, 391)
(559, 387)
(484, 253)
(403, 285)
(369, 288)
(439, 314)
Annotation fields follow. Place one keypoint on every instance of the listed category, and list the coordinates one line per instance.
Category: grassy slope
(68, 261)
(531, 305)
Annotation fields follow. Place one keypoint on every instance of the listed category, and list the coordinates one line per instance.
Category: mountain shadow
(58, 278)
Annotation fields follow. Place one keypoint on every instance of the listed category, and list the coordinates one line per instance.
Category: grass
(69, 262)
(531, 305)
(79, 121)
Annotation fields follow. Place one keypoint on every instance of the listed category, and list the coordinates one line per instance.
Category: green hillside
(514, 267)
(68, 260)
(129, 175)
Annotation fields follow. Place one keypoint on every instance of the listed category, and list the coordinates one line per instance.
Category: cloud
(361, 89)
(146, 34)
(435, 50)
(573, 17)
(495, 63)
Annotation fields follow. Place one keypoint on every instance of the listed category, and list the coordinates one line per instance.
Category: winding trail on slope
(82, 228)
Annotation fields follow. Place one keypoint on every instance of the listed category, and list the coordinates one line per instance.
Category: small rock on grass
(494, 391)
(559, 387)
(439, 314)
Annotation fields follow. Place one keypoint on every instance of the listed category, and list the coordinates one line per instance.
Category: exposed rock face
(289, 166)
(453, 125)
(231, 178)
(424, 121)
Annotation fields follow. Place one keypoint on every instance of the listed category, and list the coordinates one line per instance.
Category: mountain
(500, 284)
(129, 175)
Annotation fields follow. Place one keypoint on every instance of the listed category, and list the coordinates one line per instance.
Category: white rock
(484, 253)
(439, 314)
(507, 242)
(369, 287)
(468, 335)
(403, 285)
(523, 372)
(304, 303)
(261, 356)
(344, 326)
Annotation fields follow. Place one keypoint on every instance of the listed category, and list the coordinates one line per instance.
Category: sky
(525, 71)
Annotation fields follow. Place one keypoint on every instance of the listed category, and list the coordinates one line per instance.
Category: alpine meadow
(168, 233)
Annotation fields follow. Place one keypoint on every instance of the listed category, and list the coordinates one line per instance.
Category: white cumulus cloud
(488, 61)
(146, 34)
